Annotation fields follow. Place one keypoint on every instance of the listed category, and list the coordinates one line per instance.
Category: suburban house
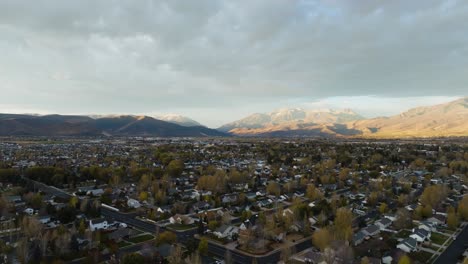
(383, 223)
(420, 235)
(429, 227)
(437, 220)
(133, 203)
(408, 245)
(29, 211)
(371, 230)
(97, 224)
(226, 231)
(202, 205)
(358, 238)
(181, 219)
(229, 198)
(44, 219)
(95, 192)
(120, 234)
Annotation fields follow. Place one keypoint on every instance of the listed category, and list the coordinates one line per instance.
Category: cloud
(127, 56)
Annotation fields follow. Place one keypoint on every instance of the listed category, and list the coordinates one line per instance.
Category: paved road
(239, 258)
(455, 250)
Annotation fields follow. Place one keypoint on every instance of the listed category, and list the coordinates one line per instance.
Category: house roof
(410, 242)
(120, 233)
(385, 221)
(359, 236)
(372, 229)
(98, 221)
(421, 232)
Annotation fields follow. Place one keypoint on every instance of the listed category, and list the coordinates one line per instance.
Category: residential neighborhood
(186, 200)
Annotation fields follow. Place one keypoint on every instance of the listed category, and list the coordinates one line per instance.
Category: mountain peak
(291, 117)
(178, 119)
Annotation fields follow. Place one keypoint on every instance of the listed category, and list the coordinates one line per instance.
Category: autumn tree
(322, 238)
(343, 224)
(203, 246)
(463, 208)
(403, 219)
(273, 188)
(404, 260)
(176, 255)
(166, 237)
(433, 195)
(175, 168)
(452, 218)
(313, 193)
(132, 258)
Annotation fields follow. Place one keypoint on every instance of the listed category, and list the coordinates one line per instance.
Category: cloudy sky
(216, 61)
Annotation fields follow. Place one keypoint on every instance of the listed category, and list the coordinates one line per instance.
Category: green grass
(403, 234)
(141, 238)
(438, 238)
(181, 227)
(122, 244)
(421, 256)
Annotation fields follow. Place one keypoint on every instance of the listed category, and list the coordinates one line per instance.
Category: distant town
(233, 200)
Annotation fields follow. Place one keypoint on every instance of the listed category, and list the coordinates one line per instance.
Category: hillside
(287, 119)
(178, 119)
(62, 125)
(449, 119)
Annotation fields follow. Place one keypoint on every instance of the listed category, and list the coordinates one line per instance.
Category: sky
(218, 61)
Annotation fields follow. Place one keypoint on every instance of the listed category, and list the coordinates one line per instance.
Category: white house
(133, 203)
(95, 192)
(383, 223)
(97, 224)
(420, 235)
(44, 219)
(371, 230)
(429, 227)
(408, 245)
(226, 231)
(181, 219)
(29, 211)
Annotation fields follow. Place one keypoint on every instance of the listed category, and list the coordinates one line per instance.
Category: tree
(176, 255)
(175, 168)
(452, 218)
(133, 258)
(203, 246)
(343, 224)
(313, 193)
(365, 260)
(143, 196)
(433, 195)
(166, 237)
(403, 219)
(404, 260)
(273, 188)
(322, 239)
(383, 208)
(286, 254)
(74, 201)
(228, 257)
(463, 208)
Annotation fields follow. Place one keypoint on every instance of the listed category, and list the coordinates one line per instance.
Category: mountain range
(125, 125)
(449, 119)
(443, 120)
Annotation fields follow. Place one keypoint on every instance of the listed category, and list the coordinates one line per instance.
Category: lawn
(122, 244)
(421, 256)
(403, 234)
(141, 238)
(181, 227)
(438, 238)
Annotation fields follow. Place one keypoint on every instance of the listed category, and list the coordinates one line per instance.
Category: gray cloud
(137, 56)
